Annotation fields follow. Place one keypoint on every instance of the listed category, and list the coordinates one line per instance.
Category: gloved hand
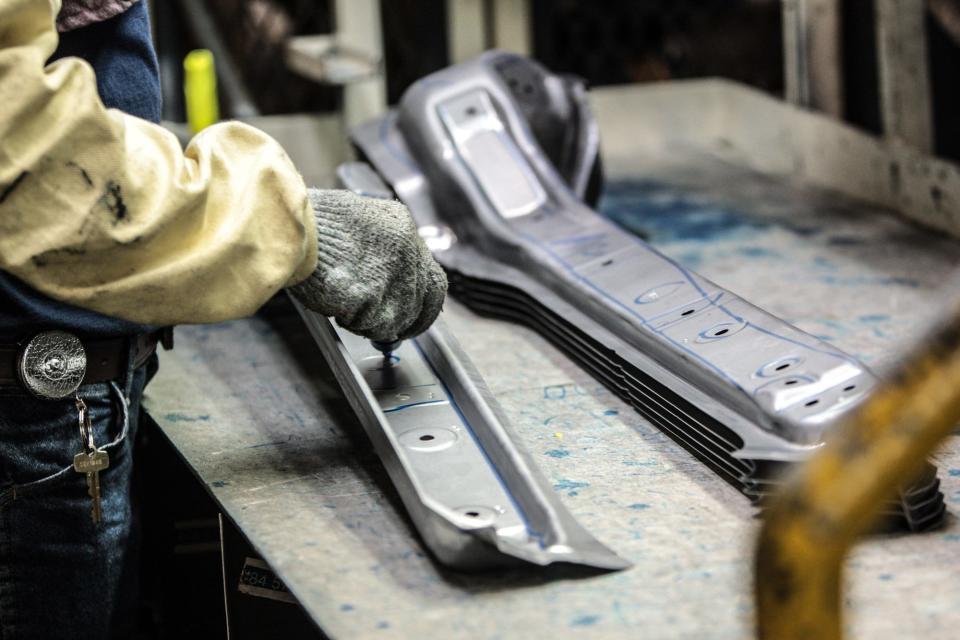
(374, 274)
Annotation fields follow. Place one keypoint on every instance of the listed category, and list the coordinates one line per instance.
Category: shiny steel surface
(784, 380)
(475, 496)
(739, 388)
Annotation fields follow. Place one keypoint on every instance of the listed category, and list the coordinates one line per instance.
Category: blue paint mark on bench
(181, 417)
(584, 621)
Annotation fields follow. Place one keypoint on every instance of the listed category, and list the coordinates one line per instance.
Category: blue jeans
(61, 576)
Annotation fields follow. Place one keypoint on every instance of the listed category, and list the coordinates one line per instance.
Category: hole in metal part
(775, 367)
(430, 440)
(688, 312)
(528, 88)
(850, 388)
(812, 403)
(789, 382)
(607, 262)
(720, 331)
(479, 515)
(471, 111)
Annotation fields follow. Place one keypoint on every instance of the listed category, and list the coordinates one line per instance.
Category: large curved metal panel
(742, 390)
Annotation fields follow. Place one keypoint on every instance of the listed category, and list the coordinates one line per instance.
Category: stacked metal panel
(918, 507)
(740, 389)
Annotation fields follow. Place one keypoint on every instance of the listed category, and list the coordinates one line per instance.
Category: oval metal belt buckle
(52, 365)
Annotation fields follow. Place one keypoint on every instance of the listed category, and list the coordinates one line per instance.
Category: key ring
(86, 433)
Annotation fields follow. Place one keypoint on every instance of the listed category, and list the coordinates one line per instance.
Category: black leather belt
(106, 359)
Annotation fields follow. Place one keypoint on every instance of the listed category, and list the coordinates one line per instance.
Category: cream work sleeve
(105, 211)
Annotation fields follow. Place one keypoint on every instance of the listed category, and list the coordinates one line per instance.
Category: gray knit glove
(374, 274)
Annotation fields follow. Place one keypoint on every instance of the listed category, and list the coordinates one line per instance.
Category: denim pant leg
(61, 575)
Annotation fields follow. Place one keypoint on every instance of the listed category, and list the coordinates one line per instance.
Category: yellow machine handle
(835, 497)
(200, 89)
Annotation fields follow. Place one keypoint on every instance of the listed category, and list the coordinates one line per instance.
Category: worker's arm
(105, 211)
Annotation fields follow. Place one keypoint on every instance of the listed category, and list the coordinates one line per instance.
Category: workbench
(255, 412)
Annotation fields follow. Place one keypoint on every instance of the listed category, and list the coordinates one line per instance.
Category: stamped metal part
(739, 388)
(52, 365)
(475, 496)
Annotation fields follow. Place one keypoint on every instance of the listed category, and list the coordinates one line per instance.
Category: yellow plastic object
(835, 497)
(200, 89)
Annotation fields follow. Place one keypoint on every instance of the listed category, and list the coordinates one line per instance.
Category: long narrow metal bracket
(742, 390)
(474, 495)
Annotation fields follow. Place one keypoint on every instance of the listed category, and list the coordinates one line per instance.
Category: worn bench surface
(256, 413)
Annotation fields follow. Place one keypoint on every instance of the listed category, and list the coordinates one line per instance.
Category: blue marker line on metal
(632, 312)
(414, 404)
(841, 356)
(689, 277)
(703, 296)
(412, 386)
(579, 239)
(548, 206)
(473, 435)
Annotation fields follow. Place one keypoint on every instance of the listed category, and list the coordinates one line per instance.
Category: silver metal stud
(52, 365)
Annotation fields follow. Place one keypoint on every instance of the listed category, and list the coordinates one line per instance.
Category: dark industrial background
(609, 42)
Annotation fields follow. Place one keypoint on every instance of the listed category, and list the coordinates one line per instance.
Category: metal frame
(476, 25)
(812, 55)
(903, 72)
(475, 496)
(740, 389)
(358, 29)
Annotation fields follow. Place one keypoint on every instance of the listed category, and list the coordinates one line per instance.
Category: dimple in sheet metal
(762, 391)
(475, 496)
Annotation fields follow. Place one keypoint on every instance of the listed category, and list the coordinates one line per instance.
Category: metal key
(91, 461)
